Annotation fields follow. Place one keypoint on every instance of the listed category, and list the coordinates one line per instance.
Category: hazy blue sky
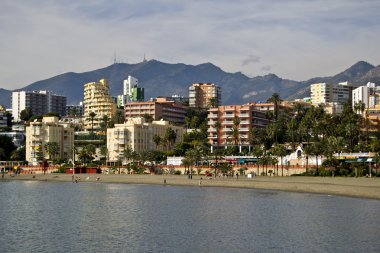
(295, 39)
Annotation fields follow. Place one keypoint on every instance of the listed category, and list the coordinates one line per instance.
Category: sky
(294, 39)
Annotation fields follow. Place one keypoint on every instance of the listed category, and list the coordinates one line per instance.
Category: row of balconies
(241, 129)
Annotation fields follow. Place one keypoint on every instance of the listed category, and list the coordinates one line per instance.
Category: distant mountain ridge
(163, 79)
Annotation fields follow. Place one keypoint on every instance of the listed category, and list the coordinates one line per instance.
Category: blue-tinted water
(90, 217)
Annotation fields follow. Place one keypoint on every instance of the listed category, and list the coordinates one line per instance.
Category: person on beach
(237, 175)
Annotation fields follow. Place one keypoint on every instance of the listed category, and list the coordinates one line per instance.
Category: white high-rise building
(40, 102)
(362, 94)
(127, 89)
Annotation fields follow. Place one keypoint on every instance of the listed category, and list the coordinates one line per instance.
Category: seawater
(101, 217)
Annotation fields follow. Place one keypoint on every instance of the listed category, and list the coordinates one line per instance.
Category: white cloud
(294, 39)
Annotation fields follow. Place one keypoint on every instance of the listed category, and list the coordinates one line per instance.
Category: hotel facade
(248, 115)
(49, 130)
(97, 99)
(200, 95)
(138, 135)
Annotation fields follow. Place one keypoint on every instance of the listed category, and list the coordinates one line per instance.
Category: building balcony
(244, 115)
(211, 130)
(212, 116)
(228, 115)
(243, 129)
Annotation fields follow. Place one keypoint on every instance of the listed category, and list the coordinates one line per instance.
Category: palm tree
(86, 153)
(104, 153)
(74, 112)
(127, 154)
(280, 150)
(213, 102)
(307, 150)
(257, 152)
(170, 136)
(157, 140)
(105, 121)
(317, 150)
(275, 99)
(235, 130)
(218, 155)
(291, 133)
(193, 156)
(51, 149)
(92, 116)
(217, 127)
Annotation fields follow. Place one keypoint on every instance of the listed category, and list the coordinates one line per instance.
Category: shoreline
(351, 187)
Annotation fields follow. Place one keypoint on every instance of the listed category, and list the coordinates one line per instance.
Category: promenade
(345, 186)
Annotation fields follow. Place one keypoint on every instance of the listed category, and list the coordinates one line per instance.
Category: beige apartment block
(138, 135)
(323, 93)
(248, 115)
(97, 99)
(49, 130)
(201, 93)
(160, 108)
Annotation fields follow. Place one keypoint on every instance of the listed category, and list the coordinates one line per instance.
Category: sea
(104, 217)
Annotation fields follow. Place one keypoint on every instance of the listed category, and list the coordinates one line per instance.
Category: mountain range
(163, 79)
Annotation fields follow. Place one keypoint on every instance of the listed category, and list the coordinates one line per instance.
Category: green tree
(6, 144)
(26, 114)
(148, 118)
(86, 154)
(157, 140)
(235, 130)
(74, 112)
(92, 117)
(18, 154)
(275, 99)
(52, 149)
(280, 151)
(105, 123)
(119, 117)
(104, 153)
(193, 156)
(170, 136)
(213, 102)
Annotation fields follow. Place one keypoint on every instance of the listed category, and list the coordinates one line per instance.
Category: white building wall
(128, 85)
(18, 104)
(360, 94)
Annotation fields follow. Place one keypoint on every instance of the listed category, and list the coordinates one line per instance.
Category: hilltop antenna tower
(144, 60)
(114, 58)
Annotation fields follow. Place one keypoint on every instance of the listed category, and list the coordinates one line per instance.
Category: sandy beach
(353, 187)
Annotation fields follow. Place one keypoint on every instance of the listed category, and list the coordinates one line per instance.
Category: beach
(343, 186)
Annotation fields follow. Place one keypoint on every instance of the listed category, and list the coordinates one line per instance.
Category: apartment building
(77, 109)
(40, 102)
(201, 94)
(322, 93)
(372, 116)
(97, 99)
(248, 116)
(3, 117)
(49, 130)
(159, 108)
(131, 92)
(138, 135)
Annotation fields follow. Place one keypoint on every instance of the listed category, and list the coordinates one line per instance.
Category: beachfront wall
(270, 170)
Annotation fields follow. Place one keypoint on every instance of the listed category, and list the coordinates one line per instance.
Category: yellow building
(97, 99)
(38, 134)
(138, 135)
